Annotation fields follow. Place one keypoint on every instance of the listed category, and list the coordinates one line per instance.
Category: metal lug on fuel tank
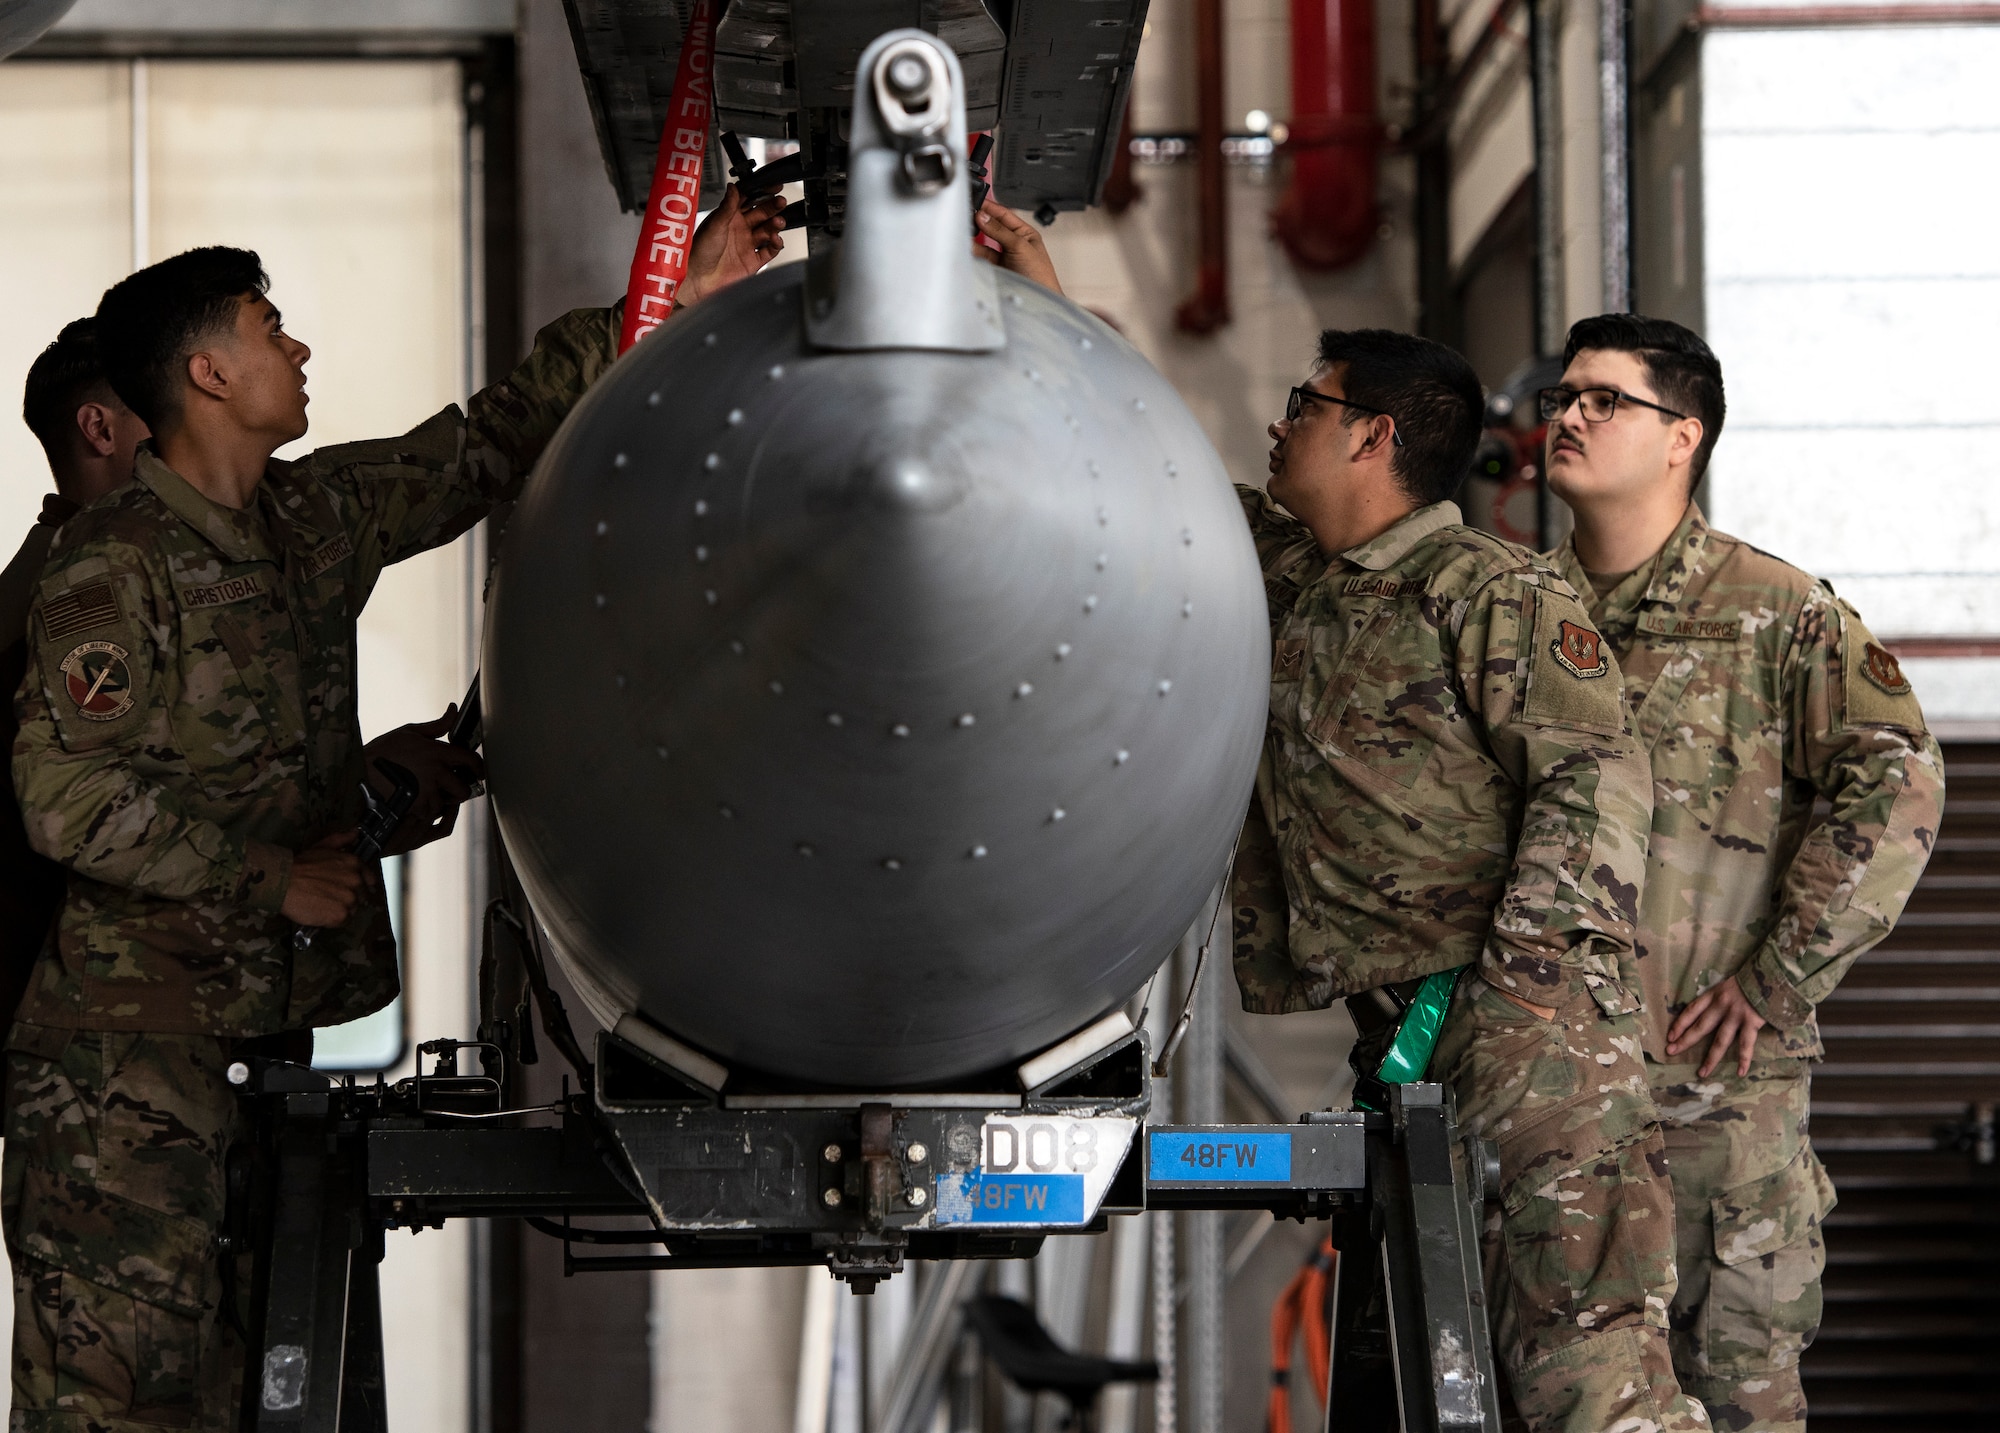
(903, 275)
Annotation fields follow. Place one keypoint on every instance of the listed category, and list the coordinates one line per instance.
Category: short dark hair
(66, 375)
(149, 323)
(1431, 392)
(1683, 370)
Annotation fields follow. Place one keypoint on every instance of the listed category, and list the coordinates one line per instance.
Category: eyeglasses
(1296, 403)
(1599, 404)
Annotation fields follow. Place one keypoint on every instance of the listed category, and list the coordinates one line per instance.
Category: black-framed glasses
(1296, 404)
(1599, 404)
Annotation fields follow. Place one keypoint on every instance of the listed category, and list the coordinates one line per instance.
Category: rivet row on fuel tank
(1104, 517)
(619, 460)
(1103, 560)
(735, 416)
(1090, 603)
(701, 507)
(1031, 375)
(1026, 689)
(777, 689)
(1084, 344)
(1057, 814)
(709, 340)
(890, 863)
(736, 645)
(1014, 299)
(710, 597)
(653, 399)
(661, 751)
(978, 853)
(1138, 405)
(601, 599)
(777, 371)
(1122, 757)
(725, 812)
(619, 679)
(805, 848)
(899, 730)
(602, 527)
(1172, 471)
(966, 719)
(1062, 650)
(700, 554)
(835, 719)
(1187, 609)
(712, 461)
(1165, 687)
(1091, 467)
(1187, 537)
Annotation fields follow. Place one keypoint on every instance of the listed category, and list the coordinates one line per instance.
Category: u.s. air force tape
(97, 681)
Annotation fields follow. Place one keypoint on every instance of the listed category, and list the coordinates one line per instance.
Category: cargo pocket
(153, 1257)
(1763, 1304)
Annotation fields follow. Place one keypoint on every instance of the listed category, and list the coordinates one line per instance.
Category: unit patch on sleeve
(1880, 666)
(1565, 659)
(1580, 650)
(327, 554)
(98, 682)
(1874, 690)
(230, 589)
(79, 610)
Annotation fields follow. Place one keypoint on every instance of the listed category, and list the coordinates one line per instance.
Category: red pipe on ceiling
(1328, 216)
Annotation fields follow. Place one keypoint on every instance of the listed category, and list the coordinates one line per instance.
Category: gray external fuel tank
(877, 663)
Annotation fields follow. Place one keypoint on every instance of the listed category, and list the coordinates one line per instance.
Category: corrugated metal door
(1903, 1116)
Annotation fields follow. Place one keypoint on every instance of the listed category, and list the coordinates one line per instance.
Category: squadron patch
(97, 680)
(1580, 650)
(1880, 666)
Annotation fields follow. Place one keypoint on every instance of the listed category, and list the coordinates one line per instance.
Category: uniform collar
(237, 534)
(1389, 548)
(1673, 567)
(57, 510)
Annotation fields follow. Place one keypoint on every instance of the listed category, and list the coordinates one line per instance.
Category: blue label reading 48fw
(1239, 1157)
(1010, 1199)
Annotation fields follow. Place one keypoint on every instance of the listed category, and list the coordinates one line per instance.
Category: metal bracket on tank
(903, 275)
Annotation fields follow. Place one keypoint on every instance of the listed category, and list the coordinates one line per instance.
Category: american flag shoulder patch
(79, 610)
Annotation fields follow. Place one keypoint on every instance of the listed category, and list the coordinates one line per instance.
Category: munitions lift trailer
(854, 1182)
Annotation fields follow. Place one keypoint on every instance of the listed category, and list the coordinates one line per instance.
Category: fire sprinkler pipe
(1207, 308)
(1328, 216)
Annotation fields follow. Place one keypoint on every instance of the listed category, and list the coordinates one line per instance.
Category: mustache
(1563, 435)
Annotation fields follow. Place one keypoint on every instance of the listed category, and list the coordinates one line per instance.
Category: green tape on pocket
(1410, 1052)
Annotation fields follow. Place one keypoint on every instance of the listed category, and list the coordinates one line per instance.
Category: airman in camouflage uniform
(1756, 691)
(1448, 783)
(187, 724)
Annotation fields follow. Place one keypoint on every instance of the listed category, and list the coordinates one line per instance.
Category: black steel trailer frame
(822, 1179)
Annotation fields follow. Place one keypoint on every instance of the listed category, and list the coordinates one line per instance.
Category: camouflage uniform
(1448, 782)
(188, 721)
(31, 885)
(1756, 690)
